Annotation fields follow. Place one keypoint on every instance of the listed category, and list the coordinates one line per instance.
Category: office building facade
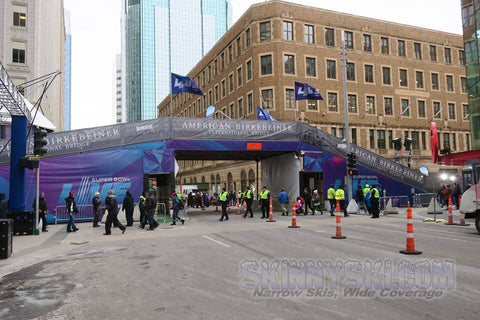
(400, 78)
(68, 74)
(167, 36)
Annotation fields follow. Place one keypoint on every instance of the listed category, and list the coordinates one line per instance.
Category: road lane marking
(221, 243)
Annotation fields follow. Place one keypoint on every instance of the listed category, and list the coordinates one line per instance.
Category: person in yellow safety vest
(240, 197)
(331, 199)
(249, 200)
(264, 198)
(365, 190)
(374, 199)
(223, 198)
(141, 207)
(340, 196)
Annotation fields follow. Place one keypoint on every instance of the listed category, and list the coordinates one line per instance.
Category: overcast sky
(95, 27)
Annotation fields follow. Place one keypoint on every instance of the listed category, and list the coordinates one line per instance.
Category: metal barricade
(421, 200)
(162, 212)
(85, 213)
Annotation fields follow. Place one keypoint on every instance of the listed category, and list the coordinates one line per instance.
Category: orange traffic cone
(203, 204)
(410, 240)
(339, 223)
(462, 214)
(450, 212)
(238, 208)
(294, 216)
(245, 207)
(270, 216)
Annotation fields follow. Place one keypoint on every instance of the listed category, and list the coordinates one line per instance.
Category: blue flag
(304, 91)
(263, 114)
(184, 84)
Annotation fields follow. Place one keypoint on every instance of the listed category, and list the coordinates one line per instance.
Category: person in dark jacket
(3, 206)
(150, 205)
(141, 207)
(71, 210)
(127, 206)
(307, 197)
(42, 210)
(96, 209)
(456, 192)
(176, 209)
(360, 199)
(112, 207)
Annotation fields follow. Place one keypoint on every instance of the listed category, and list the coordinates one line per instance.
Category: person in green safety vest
(249, 199)
(331, 199)
(223, 198)
(340, 196)
(264, 200)
(375, 199)
(365, 190)
(141, 207)
(240, 197)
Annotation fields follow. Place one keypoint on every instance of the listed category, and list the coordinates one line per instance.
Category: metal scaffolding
(11, 101)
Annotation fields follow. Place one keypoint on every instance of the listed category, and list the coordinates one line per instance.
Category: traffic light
(397, 144)
(29, 163)
(39, 142)
(352, 163)
(408, 144)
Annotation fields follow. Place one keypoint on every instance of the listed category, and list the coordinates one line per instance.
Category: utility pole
(346, 134)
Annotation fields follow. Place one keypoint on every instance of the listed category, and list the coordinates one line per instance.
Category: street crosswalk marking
(221, 243)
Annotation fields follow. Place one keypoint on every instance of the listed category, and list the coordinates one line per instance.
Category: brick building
(400, 78)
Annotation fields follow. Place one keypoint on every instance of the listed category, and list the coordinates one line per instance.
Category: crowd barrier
(85, 213)
(422, 200)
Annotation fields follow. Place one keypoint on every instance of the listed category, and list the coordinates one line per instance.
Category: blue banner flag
(184, 84)
(263, 114)
(304, 91)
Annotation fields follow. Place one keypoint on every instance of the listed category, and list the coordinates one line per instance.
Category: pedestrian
(71, 210)
(331, 199)
(249, 200)
(360, 197)
(96, 208)
(283, 198)
(3, 206)
(141, 208)
(368, 201)
(240, 197)
(375, 199)
(340, 196)
(446, 192)
(176, 209)
(42, 210)
(224, 202)
(127, 206)
(264, 198)
(307, 197)
(299, 205)
(316, 202)
(112, 216)
(440, 195)
(456, 192)
(150, 205)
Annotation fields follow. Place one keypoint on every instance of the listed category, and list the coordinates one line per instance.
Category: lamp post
(346, 133)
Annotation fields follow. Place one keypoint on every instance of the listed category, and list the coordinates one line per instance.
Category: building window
(224, 88)
(239, 77)
(418, 50)
(405, 108)
(354, 135)
(421, 109)
(332, 102)
(401, 48)
(470, 51)
(437, 110)
(309, 34)
(368, 73)
(18, 55)
(289, 63)
(288, 30)
(210, 101)
(240, 108)
(424, 140)
(250, 103)
(466, 112)
(329, 37)
(372, 139)
(222, 60)
(267, 98)
(467, 139)
(209, 73)
(331, 69)
(390, 139)
(334, 131)
(463, 85)
(454, 141)
(265, 32)
(352, 103)
(384, 45)
(216, 94)
(370, 106)
(248, 38)
(435, 81)
(216, 67)
(230, 83)
(433, 53)
(448, 56)
(415, 140)
(341, 133)
(239, 46)
(312, 105)
(461, 57)
(451, 111)
(446, 141)
(230, 54)
(381, 142)
(266, 62)
(290, 99)
(232, 111)
(20, 18)
(351, 71)
(311, 68)
(419, 79)
(367, 43)
(249, 70)
(403, 78)
(449, 83)
(348, 40)
(388, 106)
(386, 76)
(467, 16)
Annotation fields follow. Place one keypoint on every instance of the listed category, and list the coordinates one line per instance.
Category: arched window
(229, 181)
(251, 178)
(243, 180)
(203, 179)
(195, 180)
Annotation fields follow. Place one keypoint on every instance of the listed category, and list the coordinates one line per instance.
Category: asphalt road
(199, 271)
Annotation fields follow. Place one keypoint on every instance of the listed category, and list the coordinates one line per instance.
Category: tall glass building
(471, 38)
(164, 36)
